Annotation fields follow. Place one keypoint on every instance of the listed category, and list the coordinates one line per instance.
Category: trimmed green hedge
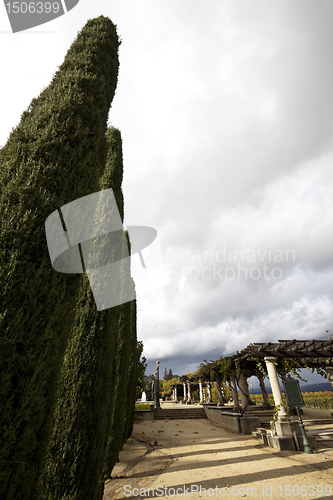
(126, 336)
(132, 375)
(124, 391)
(82, 417)
(55, 155)
(91, 405)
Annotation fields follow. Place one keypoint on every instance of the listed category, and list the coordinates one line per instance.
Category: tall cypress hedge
(126, 329)
(135, 350)
(54, 156)
(82, 416)
(95, 371)
(120, 388)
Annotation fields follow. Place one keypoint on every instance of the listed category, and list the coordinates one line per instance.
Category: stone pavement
(197, 458)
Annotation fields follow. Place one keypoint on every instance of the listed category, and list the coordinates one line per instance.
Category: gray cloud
(226, 117)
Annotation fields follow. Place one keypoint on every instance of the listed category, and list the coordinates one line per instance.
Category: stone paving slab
(197, 458)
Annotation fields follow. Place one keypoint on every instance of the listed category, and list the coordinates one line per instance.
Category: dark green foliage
(168, 375)
(114, 167)
(124, 395)
(148, 380)
(55, 155)
(82, 416)
(94, 375)
(133, 375)
(119, 405)
(124, 390)
(141, 370)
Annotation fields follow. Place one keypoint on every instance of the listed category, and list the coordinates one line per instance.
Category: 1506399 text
(32, 7)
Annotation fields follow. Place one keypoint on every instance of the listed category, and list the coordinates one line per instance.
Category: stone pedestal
(282, 428)
(281, 442)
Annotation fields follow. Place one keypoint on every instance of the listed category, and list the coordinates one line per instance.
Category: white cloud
(225, 110)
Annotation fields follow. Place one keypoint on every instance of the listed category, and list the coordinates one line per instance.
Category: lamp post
(152, 390)
(154, 386)
(157, 386)
(254, 399)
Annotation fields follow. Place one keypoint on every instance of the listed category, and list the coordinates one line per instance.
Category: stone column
(184, 388)
(329, 371)
(282, 425)
(209, 394)
(189, 391)
(175, 394)
(265, 404)
(219, 392)
(244, 390)
(234, 394)
(200, 393)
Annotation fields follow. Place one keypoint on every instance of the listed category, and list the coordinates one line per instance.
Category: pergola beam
(316, 351)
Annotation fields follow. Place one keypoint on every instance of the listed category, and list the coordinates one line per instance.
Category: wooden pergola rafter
(313, 352)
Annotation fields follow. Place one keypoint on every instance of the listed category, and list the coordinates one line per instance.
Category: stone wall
(231, 421)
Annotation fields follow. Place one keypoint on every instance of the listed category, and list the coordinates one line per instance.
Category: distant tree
(168, 375)
(142, 366)
(168, 384)
(148, 380)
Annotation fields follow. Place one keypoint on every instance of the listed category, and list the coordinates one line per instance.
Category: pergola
(317, 353)
(311, 353)
(190, 385)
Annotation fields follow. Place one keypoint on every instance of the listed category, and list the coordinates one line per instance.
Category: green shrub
(82, 416)
(118, 414)
(54, 156)
(135, 353)
(92, 397)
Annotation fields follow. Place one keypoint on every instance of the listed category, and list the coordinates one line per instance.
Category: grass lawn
(142, 406)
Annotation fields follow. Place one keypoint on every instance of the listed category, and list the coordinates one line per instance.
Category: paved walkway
(197, 458)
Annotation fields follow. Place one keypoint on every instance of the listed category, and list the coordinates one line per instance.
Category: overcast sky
(226, 114)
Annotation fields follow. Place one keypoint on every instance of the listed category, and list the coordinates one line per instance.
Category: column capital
(270, 358)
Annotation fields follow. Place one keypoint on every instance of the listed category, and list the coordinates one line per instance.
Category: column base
(282, 428)
(281, 442)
